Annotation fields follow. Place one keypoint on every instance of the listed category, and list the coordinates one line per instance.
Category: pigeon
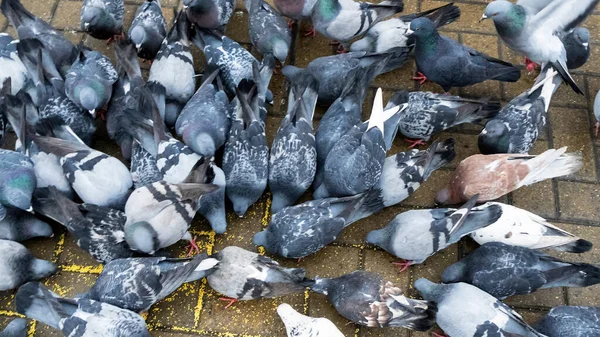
(159, 215)
(418, 234)
(344, 20)
(17, 180)
(137, 283)
(16, 328)
(244, 275)
(577, 45)
(428, 113)
(143, 167)
(212, 205)
(204, 122)
(367, 299)
(19, 225)
(97, 230)
(12, 68)
(570, 321)
(210, 14)
(597, 112)
(492, 176)
(298, 325)
(19, 266)
(269, 32)
(534, 29)
(355, 162)
(89, 81)
(295, 9)
(103, 19)
(518, 227)
(246, 154)
(61, 50)
(173, 68)
(451, 64)
(148, 29)
(503, 271)
(293, 161)
(301, 230)
(96, 177)
(464, 310)
(83, 317)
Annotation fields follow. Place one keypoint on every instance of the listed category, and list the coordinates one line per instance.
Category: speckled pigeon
(78, 317)
(103, 19)
(269, 32)
(298, 325)
(15, 328)
(209, 14)
(148, 29)
(12, 67)
(212, 205)
(143, 167)
(19, 266)
(567, 321)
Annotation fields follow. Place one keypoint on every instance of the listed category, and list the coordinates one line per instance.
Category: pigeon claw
(439, 335)
(227, 299)
(193, 247)
(597, 128)
(290, 24)
(530, 65)
(312, 32)
(420, 77)
(402, 266)
(414, 142)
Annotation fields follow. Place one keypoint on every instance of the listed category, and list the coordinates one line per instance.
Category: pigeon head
(454, 273)
(421, 27)
(137, 35)
(196, 137)
(199, 6)
(89, 98)
(266, 240)
(288, 314)
(37, 228)
(583, 36)
(17, 192)
(494, 138)
(282, 199)
(443, 197)
(499, 11)
(142, 237)
(378, 237)
(429, 291)
(241, 205)
(42, 268)
(280, 50)
(93, 18)
(321, 286)
(16, 327)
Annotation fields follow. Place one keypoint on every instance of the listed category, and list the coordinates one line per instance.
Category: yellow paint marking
(73, 268)
(10, 313)
(60, 246)
(31, 330)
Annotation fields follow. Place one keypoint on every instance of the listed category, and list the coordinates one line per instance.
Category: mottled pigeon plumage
(566, 321)
(12, 67)
(269, 32)
(19, 266)
(210, 14)
(295, 9)
(148, 29)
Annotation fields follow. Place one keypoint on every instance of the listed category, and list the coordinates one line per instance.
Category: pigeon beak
(86, 25)
(483, 17)
(185, 7)
(409, 32)
(586, 44)
(93, 112)
(137, 46)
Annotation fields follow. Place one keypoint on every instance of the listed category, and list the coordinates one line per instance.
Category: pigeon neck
(427, 45)
(512, 23)
(327, 9)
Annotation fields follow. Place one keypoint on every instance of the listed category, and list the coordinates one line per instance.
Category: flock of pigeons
(52, 91)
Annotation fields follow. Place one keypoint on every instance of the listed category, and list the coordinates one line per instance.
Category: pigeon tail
(475, 112)
(444, 15)
(386, 9)
(16, 13)
(576, 275)
(550, 164)
(418, 315)
(578, 246)
(437, 155)
(477, 218)
(35, 301)
(16, 328)
(371, 203)
(561, 67)
(126, 55)
(206, 267)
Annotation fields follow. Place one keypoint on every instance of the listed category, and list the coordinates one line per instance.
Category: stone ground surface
(195, 310)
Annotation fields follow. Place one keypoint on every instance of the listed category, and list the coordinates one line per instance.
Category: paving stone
(73, 255)
(537, 198)
(42, 9)
(309, 48)
(68, 15)
(575, 201)
(433, 267)
(237, 28)
(178, 308)
(424, 196)
(542, 298)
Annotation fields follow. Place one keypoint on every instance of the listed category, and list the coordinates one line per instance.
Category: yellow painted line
(157, 326)
(265, 220)
(356, 332)
(73, 268)
(60, 246)
(305, 305)
(31, 331)
(10, 313)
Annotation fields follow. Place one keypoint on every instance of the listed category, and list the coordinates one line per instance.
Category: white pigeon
(298, 325)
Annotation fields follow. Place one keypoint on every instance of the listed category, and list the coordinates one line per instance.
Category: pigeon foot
(312, 32)
(227, 299)
(403, 266)
(414, 142)
(420, 77)
(193, 247)
(439, 335)
(597, 128)
(530, 65)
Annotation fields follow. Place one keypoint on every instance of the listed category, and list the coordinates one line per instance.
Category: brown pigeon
(492, 176)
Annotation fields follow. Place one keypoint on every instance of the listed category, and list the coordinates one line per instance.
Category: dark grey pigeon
(173, 68)
(566, 321)
(301, 230)
(269, 32)
(97, 230)
(244, 275)
(17, 180)
(293, 162)
(367, 299)
(209, 14)
(503, 271)
(148, 29)
(577, 45)
(19, 225)
(212, 205)
(78, 317)
(355, 162)
(12, 68)
(429, 113)
(61, 50)
(16, 328)
(18, 266)
(451, 64)
(90, 79)
(103, 19)
(466, 311)
(417, 234)
(246, 154)
(205, 120)
(137, 283)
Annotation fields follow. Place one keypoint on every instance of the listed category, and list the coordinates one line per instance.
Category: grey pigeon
(417, 234)
(159, 215)
(301, 230)
(97, 230)
(173, 68)
(343, 20)
(295, 9)
(12, 67)
(244, 275)
(355, 162)
(82, 317)
(428, 113)
(293, 161)
(298, 325)
(209, 14)
(577, 45)
(15, 328)
(451, 64)
(17, 180)
(18, 266)
(465, 311)
(97, 178)
(61, 50)
(518, 227)
(89, 81)
(148, 29)
(367, 299)
(212, 205)
(205, 120)
(269, 32)
(137, 283)
(19, 225)
(503, 271)
(103, 19)
(567, 321)
(534, 29)
(246, 154)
